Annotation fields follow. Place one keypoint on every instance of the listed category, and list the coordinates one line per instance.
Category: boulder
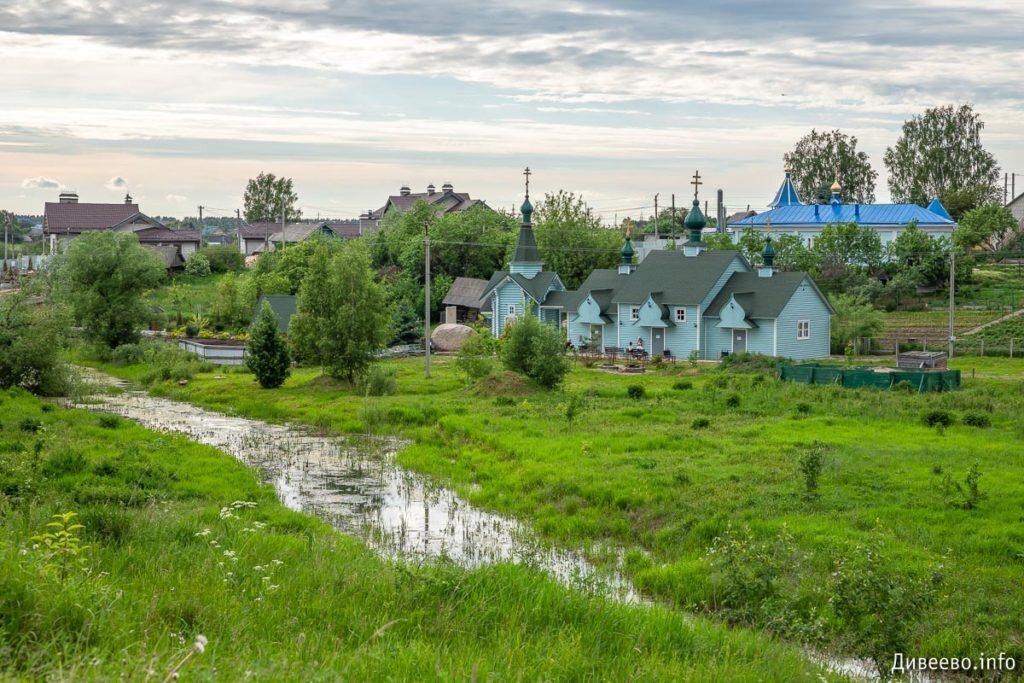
(450, 337)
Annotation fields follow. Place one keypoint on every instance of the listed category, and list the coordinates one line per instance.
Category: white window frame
(680, 314)
(803, 329)
(511, 311)
(634, 312)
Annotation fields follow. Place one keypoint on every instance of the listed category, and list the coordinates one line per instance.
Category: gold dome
(836, 187)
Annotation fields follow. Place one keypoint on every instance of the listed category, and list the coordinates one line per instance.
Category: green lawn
(648, 476)
(182, 541)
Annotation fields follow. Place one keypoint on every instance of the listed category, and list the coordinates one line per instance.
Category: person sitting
(640, 347)
(629, 349)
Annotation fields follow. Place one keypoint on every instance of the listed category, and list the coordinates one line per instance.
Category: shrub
(30, 425)
(31, 338)
(810, 464)
(267, 352)
(682, 385)
(573, 406)
(967, 495)
(636, 391)
(504, 401)
(977, 419)
(379, 380)
(803, 408)
(700, 423)
(904, 387)
(197, 265)
(128, 354)
(935, 418)
(746, 572)
(222, 258)
(749, 362)
(535, 350)
(476, 357)
(733, 401)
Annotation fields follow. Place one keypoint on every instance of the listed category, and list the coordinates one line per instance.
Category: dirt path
(979, 328)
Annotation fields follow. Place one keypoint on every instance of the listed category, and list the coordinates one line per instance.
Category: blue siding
(716, 339)
(682, 338)
(530, 270)
(805, 305)
(508, 294)
(762, 339)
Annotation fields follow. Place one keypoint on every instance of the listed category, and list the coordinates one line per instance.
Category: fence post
(982, 346)
(1011, 347)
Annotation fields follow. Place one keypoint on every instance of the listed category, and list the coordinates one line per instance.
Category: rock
(450, 337)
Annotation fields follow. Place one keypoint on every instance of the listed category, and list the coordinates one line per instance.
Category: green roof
(526, 246)
(682, 280)
(536, 286)
(761, 297)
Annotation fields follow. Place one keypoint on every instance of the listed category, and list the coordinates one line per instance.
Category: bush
(700, 423)
(749, 362)
(810, 464)
(535, 350)
(222, 258)
(636, 391)
(682, 385)
(31, 339)
(934, 418)
(476, 357)
(904, 387)
(197, 265)
(733, 401)
(267, 352)
(30, 425)
(128, 354)
(504, 401)
(976, 419)
(803, 408)
(108, 421)
(965, 496)
(379, 380)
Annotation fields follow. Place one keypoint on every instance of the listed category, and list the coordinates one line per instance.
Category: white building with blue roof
(788, 215)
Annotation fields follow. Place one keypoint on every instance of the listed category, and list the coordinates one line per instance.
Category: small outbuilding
(464, 295)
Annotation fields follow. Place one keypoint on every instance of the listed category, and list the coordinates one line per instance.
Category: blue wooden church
(672, 303)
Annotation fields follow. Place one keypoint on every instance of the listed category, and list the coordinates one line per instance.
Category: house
(1016, 207)
(171, 256)
(673, 303)
(259, 237)
(525, 288)
(446, 201)
(68, 218)
(789, 215)
(464, 300)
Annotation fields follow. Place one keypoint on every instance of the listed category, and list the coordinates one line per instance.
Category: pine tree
(267, 353)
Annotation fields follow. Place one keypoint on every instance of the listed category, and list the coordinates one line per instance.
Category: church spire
(787, 195)
(526, 258)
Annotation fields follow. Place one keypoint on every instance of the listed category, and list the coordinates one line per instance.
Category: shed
(284, 307)
(464, 295)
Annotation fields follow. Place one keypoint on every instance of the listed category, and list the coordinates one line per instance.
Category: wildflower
(276, 563)
(272, 588)
(230, 554)
(200, 645)
(204, 532)
(260, 525)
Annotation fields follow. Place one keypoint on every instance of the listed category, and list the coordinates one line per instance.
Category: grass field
(181, 541)
(701, 483)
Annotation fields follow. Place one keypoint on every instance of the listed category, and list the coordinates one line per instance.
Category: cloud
(41, 183)
(116, 183)
(176, 198)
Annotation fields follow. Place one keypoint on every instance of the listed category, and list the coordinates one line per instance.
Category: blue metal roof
(863, 214)
(786, 196)
(936, 207)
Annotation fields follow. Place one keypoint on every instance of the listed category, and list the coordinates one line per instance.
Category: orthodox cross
(527, 173)
(696, 183)
(629, 226)
(769, 226)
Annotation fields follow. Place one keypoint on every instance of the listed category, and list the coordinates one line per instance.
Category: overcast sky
(181, 102)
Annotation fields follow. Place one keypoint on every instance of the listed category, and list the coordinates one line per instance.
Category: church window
(803, 329)
(634, 313)
(511, 309)
(680, 315)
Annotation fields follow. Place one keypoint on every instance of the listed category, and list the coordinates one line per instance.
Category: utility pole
(6, 224)
(673, 215)
(1006, 188)
(720, 213)
(656, 220)
(952, 283)
(426, 297)
(284, 237)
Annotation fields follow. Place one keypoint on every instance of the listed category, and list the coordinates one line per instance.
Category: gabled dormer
(734, 313)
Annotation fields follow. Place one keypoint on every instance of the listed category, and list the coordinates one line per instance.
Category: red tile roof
(62, 218)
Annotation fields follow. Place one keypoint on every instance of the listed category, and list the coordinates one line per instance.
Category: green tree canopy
(854, 317)
(822, 157)
(265, 197)
(986, 226)
(31, 339)
(103, 276)
(343, 317)
(940, 151)
(571, 240)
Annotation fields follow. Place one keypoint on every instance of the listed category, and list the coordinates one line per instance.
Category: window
(511, 310)
(803, 329)
(680, 315)
(634, 313)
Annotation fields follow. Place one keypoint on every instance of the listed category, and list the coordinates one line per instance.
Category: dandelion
(200, 645)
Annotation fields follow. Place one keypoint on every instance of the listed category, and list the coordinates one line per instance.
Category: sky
(180, 102)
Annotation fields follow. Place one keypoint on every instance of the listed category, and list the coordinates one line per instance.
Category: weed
(733, 401)
(682, 385)
(60, 546)
(904, 387)
(30, 425)
(700, 423)
(504, 401)
(636, 391)
(803, 408)
(108, 421)
(379, 380)
(810, 463)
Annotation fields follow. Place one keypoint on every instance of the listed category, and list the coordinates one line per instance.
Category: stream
(354, 484)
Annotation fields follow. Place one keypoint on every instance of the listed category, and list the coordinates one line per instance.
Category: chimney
(127, 198)
(447, 187)
(68, 198)
(404, 190)
(430, 190)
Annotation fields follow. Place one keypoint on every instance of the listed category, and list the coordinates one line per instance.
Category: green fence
(854, 378)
